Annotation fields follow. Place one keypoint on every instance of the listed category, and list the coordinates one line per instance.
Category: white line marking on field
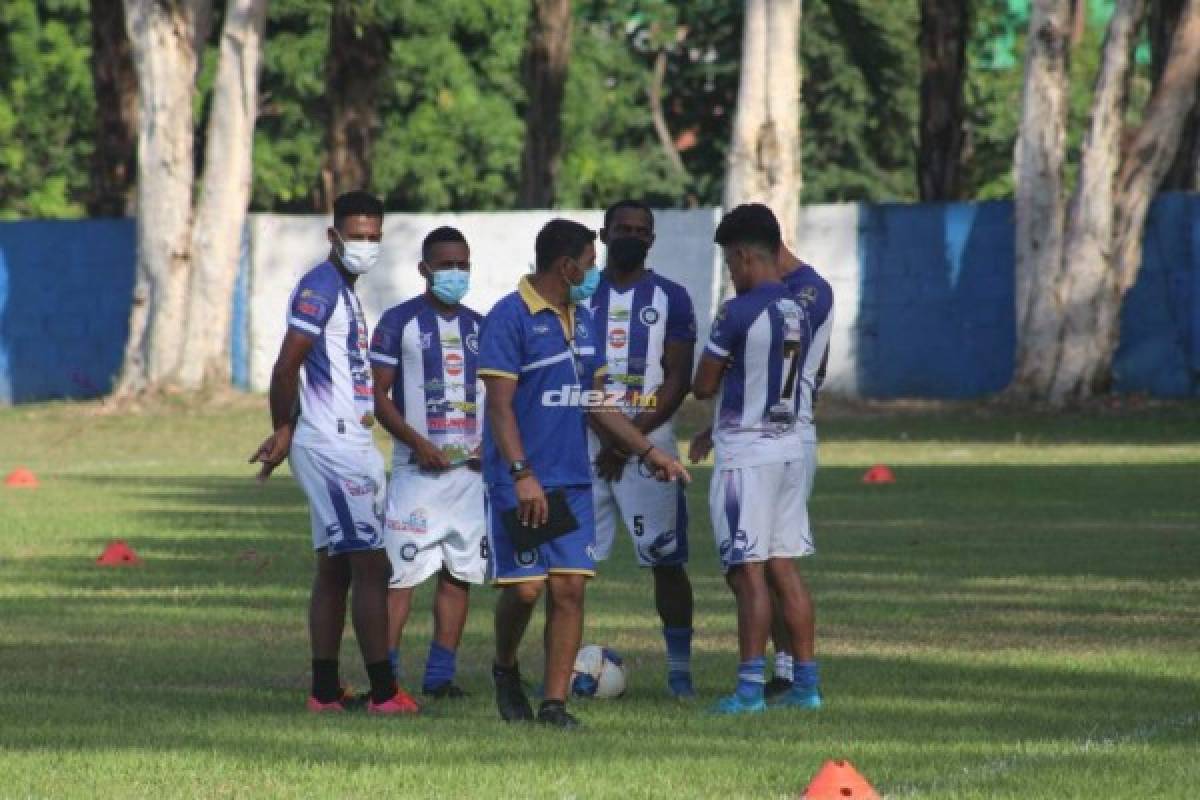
(1089, 744)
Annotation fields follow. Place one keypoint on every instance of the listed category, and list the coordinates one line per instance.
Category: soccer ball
(599, 672)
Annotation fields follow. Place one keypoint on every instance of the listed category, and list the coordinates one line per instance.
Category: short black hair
(439, 235)
(627, 203)
(561, 237)
(356, 203)
(752, 224)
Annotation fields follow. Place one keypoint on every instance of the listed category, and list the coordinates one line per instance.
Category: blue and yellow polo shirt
(552, 355)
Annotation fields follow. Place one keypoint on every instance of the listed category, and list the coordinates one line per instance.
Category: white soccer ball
(599, 672)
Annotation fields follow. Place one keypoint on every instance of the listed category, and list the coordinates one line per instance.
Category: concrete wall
(924, 294)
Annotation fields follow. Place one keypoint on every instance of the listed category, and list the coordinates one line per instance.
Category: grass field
(1019, 616)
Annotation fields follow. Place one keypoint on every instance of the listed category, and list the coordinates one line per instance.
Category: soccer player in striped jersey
(758, 497)
(794, 661)
(322, 369)
(423, 355)
(647, 334)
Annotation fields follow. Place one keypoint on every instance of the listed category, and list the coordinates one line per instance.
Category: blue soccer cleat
(797, 697)
(736, 704)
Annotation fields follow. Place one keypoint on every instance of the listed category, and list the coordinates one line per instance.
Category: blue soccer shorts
(572, 553)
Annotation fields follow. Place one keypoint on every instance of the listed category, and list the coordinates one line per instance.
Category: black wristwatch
(517, 467)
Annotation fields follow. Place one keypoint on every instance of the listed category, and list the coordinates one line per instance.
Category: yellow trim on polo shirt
(497, 372)
(514, 581)
(590, 573)
(535, 303)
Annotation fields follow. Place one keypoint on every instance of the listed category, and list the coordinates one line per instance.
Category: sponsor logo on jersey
(616, 398)
(619, 315)
(649, 315)
(442, 424)
(312, 309)
(473, 342)
(454, 364)
(807, 294)
(541, 328)
(617, 338)
(451, 341)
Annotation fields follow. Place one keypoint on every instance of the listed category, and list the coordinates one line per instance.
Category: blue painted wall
(935, 319)
(65, 289)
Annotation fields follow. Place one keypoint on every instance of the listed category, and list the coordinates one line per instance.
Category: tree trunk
(220, 217)
(1039, 195)
(658, 77)
(544, 70)
(358, 57)
(1165, 16)
(163, 36)
(1086, 282)
(945, 27)
(764, 154)
(114, 159)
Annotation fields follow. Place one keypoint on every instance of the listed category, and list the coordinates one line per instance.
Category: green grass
(1016, 617)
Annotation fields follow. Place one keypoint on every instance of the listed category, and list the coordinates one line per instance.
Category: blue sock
(439, 667)
(806, 674)
(394, 660)
(679, 651)
(751, 677)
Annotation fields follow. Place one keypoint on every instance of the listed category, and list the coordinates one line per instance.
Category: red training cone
(21, 478)
(839, 780)
(880, 473)
(118, 554)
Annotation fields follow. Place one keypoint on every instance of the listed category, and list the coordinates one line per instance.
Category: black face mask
(627, 253)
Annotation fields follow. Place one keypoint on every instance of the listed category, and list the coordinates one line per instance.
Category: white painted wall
(285, 247)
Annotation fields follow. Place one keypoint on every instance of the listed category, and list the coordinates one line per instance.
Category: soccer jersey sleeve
(500, 343)
(386, 339)
(728, 329)
(681, 318)
(312, 305)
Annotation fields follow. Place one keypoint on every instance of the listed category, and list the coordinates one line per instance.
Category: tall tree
(166, 38)
(1065, 347)
(220, 216)
(764, 154)
(945, 29)
(357, 60)
(544, 70)
(1039, 201)
(114, 158)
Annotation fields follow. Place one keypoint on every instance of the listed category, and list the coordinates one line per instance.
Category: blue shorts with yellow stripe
(573, 552)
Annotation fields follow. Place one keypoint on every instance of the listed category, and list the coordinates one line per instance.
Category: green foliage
(46, 107)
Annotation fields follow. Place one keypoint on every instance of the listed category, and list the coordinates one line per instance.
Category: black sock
(503, 672)
(326, 686)
(549, 704)
(383, 682)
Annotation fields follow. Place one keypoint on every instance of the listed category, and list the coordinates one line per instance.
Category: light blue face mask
(591, 279)
(450, 285)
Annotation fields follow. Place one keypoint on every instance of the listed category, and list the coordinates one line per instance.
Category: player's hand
(532, 508)
(700, 446)
(272, 452)
(664, 467)
(429, 456)
(610, 463)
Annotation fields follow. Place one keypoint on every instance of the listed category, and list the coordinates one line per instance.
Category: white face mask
(359, 257)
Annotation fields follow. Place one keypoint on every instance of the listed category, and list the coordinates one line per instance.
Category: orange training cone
(117, 554)
(21, 478)
(880, 473)
(839, 780)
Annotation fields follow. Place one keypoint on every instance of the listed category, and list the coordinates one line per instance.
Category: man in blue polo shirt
(542, 370)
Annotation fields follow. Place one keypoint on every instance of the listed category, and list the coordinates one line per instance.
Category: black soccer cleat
(445, 691)
(510, 696)
(554, 713)
(777, 687)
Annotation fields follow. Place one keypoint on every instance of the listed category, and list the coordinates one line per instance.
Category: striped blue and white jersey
(762, 336)
(337, 402)
(635, 325)
(436, 388)
(815, 296)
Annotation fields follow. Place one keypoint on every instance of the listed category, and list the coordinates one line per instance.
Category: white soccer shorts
(654, 512)
(435, 520)
(761, 512)
(346, 490)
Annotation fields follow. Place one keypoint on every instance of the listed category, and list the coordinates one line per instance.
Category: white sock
(783, 665)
